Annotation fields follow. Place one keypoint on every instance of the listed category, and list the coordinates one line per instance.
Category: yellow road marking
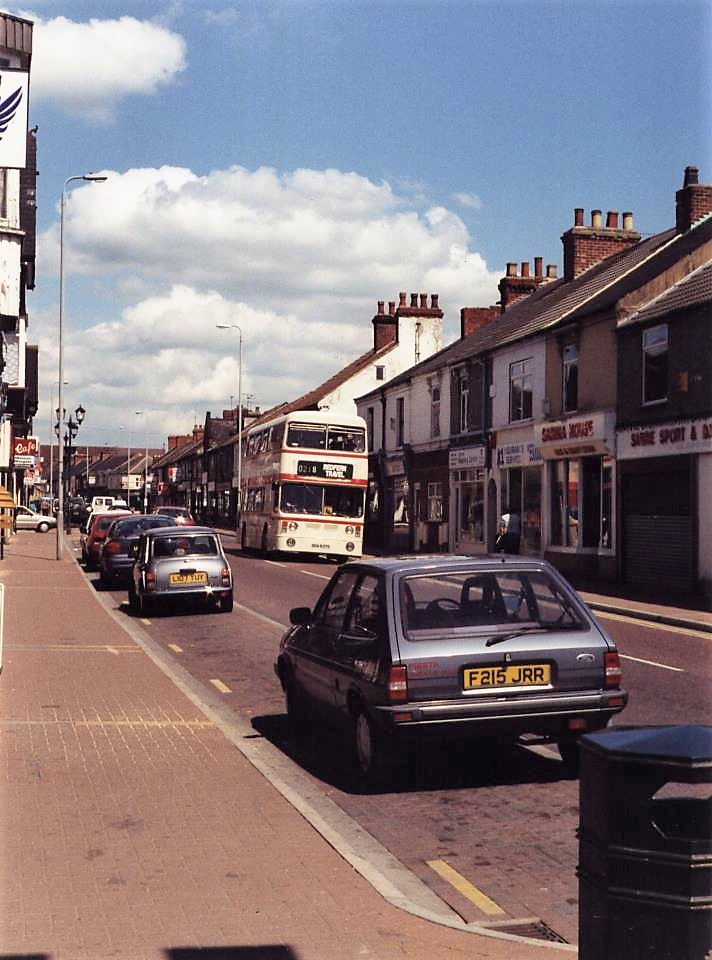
(463, 886)
(175, 647)
(223, 688)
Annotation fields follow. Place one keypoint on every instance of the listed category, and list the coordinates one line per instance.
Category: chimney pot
(525, 268)
(612, 219)
(538, 261)
(423, 300)
(596, 219)
(578, 216)
(414, 299)
(391, 307)
(627, 220)
(434, 297)
(511, 269)
(380, 306)
(551, 271)
(692, 175)
(402, 299)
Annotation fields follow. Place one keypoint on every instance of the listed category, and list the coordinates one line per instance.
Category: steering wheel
(444, 604)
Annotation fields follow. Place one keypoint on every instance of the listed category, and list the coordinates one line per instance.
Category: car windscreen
(204, 545)
(486, 600)
(133, 527)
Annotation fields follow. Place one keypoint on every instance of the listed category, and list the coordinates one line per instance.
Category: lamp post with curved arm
(235, 326)
(95, 178)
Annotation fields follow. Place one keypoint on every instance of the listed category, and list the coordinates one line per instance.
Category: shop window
(520, 390)
(469, 505)
(582, 503)
(570, 377)
(655, 364)
(435, 501)
(521, 492)
(435, 412)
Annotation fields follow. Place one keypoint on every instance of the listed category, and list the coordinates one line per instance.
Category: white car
(26, 519)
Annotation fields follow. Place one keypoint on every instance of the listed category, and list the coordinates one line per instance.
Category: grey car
(405, 648)
(118, 550)
(180, 563)
(26, 519)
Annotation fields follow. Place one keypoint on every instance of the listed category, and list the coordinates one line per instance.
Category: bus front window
(343, 502)
(306, 436)
(302, 498)
(350, 439)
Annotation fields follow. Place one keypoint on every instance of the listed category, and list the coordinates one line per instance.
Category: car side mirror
(299, 616)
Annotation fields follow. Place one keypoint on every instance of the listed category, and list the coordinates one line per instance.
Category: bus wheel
(264, 545)
(243, 538)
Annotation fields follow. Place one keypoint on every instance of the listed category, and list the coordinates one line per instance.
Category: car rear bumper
(546, 715)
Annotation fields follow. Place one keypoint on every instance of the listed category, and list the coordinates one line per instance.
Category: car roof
(425, 563)
(179, 531)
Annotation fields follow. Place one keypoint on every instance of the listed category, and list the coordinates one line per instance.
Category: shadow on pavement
(267, 951)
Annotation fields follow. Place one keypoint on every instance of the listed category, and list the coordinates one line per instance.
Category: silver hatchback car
(403, 648)
(174, 563)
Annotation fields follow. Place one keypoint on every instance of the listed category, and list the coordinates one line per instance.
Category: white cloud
(87, 68)
(469, 200)
(298, 260)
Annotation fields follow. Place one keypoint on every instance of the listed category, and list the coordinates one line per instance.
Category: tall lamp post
(94, 178)
(70, 433)
(144, 413)
(235, 326)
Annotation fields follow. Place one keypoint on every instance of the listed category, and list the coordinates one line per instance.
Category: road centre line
(463, 886)
(319, 576)
(175, 648)
(219, 685)
(651, 663)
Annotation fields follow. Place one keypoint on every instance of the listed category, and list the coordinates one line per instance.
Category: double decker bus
(304, 479)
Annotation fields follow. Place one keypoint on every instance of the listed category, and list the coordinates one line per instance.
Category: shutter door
(658, 552)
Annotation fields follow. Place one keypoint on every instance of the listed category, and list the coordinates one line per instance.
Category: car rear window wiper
(512, 635)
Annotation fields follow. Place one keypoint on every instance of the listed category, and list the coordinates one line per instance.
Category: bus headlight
(350, 547)
(292, 526)
(291, 542)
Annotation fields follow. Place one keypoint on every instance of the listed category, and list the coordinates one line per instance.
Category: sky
(282, 165)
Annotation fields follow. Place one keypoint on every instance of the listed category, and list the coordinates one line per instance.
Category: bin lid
(682, 743)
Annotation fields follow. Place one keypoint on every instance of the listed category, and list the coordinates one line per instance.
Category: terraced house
(583, 402)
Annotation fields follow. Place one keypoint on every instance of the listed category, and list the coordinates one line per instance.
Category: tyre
(133, 599)
(145, 605)
(226, 604)
(368, 750)
(296, 709)
(569, 750)
(264, 546)
(243, 538)
(42, 527)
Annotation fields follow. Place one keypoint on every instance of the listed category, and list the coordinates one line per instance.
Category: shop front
(665, 470)
(468, 524)
(519, 467)
(579, 458)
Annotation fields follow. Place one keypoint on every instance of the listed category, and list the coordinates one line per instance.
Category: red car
(99, 524)
(181, 515)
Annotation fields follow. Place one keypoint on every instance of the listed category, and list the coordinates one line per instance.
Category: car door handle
(585, 657)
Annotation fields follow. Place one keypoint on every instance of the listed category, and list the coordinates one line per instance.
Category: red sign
(25, 447)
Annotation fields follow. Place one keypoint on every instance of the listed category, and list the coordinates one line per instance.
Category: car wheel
(133, 599)
(569, 750)
(296, 708)
(368, 748)
(42, 527)
(226, 604)
(145, 605)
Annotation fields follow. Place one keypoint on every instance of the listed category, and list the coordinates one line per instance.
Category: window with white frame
(435, 501)
(435, 411)
(655, 364)
(462, 388)
(520, 390)
(570, 377)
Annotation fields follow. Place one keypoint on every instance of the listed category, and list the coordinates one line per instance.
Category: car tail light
(112, 546)
(612, 669)
(397, 685)
(225, 574)
(150, 580)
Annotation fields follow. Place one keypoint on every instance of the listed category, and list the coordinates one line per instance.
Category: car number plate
(512, 675)
(183, 579)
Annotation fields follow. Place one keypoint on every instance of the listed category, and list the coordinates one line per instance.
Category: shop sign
(664, 440)
(324, 470)
(577, 436)
(394, 467)
(467, 458)
(518, 455)
(24, 452)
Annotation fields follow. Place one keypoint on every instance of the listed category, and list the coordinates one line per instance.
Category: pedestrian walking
(509, 532)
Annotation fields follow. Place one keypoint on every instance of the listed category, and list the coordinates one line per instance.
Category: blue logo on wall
(8, 109)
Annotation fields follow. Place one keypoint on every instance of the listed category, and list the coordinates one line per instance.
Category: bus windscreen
(316, 499)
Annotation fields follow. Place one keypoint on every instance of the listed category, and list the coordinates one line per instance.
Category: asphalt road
(493, 835)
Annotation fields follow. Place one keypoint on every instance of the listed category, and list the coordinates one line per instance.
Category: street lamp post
(235, 326)
(91, 177)
(144, 413)
(72, 430)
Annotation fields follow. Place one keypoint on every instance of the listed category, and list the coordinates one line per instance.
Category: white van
(101, 503)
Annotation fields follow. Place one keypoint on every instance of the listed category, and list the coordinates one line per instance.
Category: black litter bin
(645, 844)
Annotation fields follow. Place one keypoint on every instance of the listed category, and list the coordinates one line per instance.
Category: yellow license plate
(186, 579)
(519, 675)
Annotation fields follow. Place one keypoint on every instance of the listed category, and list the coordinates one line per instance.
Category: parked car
(401, 649)
(77, 510)
(93, 538)
(118, 551)
(181, 515)
(26, 519)
(174, 563)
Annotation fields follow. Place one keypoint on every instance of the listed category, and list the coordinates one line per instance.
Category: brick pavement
(130, 825)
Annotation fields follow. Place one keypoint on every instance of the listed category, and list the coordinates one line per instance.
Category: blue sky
(285, 165)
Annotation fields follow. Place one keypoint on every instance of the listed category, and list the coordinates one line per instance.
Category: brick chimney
(176, 441)
(693, 201)
(385, 325)
(586, 246)
(513, 287)
(474, 318)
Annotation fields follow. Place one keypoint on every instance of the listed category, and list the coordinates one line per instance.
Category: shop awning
(7, 501)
